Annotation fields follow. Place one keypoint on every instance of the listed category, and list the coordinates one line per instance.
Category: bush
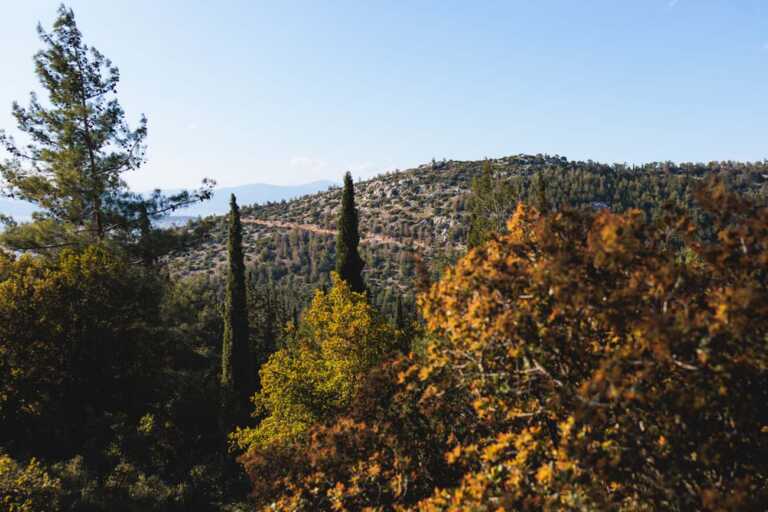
(340, 338)
(27, 488)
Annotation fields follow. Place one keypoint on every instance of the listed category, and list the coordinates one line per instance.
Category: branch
(125, 161)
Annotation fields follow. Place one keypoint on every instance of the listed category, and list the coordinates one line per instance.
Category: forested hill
(426, 212)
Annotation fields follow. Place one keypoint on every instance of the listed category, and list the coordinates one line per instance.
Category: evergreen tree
(541, 202)
(400, 322)
(349, 264)
(236, 361)
(488, 206)
(79, 145)
(422, 278)
(264, 322)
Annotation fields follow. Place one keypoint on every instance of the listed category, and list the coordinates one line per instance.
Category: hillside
(423, 212)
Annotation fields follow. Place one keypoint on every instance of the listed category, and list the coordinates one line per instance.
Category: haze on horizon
(287, 94)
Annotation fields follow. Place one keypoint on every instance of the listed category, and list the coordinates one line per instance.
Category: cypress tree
(399, 314)
(480, 222)
(349, 264)
(540, 190)
(236, 361)
(269, 337)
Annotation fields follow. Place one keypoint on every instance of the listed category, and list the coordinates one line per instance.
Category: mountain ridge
(425, 212)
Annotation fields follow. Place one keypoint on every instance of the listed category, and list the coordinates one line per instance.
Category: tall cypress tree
(399, 314)
(236, 361)
(349, 264)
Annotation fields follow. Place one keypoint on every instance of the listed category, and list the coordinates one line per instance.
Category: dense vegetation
(521, 333)
(428, 214)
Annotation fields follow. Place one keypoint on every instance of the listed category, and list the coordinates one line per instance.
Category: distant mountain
(253, 194)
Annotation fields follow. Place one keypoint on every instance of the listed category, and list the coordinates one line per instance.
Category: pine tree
(264, 322)
(541, 201)
(269, 335)
(236, 361)
(490, 203)
(79, 145)
(349, 264)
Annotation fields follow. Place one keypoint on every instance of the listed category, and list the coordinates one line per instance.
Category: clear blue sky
(288, 92)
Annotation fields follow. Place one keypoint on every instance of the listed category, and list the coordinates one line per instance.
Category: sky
(288, 92)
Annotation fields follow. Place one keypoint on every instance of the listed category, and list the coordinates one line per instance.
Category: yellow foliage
(27, 488)
(340, 338)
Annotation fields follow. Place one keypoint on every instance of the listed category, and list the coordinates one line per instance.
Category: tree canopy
(76, 149)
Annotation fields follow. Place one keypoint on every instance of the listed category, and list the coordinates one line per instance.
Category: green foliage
(270, 311)
(385, 449)
(79, 146)
(192, 307)
(420, 218)
(316, 374)
(603, 350)
(487, 206)
(76, 333)
(86, 365)
(578, 362)
(236, 358)
(107, 378)
(349, 264)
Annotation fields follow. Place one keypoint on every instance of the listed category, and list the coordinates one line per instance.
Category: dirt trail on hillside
(371, 239)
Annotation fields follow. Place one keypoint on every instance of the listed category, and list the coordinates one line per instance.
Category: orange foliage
(622, 364)
(582, 361)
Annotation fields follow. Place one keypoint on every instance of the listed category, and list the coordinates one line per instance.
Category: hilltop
(422, 213)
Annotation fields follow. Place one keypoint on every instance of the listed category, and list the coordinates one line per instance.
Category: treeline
(652, 188)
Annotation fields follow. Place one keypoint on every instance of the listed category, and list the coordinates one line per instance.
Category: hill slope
(422, 213)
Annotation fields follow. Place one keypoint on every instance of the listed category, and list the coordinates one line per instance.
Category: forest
(523, 333)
